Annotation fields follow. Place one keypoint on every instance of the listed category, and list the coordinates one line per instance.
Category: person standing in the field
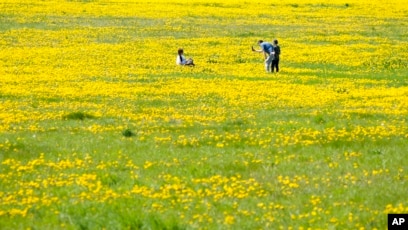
(267, 50)
(276, 53)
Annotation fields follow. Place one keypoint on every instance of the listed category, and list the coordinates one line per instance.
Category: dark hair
(180, 51)
(275, 41)
(260, 41)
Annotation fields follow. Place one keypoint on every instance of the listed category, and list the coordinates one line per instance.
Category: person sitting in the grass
(181, 60)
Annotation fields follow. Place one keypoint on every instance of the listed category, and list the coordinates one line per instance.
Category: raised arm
(254, 50)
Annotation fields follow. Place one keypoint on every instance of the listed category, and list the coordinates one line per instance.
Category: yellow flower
(229, 219)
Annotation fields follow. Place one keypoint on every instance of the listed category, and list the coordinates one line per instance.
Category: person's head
(275, 42)
(180, 51)
(260, 41)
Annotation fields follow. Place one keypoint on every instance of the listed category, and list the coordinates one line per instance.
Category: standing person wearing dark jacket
(275, 60)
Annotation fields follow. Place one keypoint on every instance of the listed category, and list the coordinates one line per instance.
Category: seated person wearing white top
(181, 60)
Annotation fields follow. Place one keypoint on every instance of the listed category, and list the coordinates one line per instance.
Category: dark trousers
(275, 65)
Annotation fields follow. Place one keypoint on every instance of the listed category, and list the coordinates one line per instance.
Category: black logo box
(398, 221)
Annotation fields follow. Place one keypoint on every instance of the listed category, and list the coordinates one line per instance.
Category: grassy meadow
(99, 129)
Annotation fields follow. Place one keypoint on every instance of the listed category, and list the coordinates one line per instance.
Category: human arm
(258, 51)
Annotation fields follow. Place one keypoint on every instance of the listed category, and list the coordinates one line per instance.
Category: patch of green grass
(78, 116)
(128, 133)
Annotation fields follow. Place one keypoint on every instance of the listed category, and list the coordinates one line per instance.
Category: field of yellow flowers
(99, 129)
